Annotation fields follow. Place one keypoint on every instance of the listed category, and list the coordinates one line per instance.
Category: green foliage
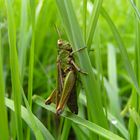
(108, 97)
(3, 118)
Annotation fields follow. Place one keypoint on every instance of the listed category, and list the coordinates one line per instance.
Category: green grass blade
(98, 60)
(74, 118)
(137, 48)
(3, 117)
(26, 117)
(118, 124)
(111, 85)
(112, 70)
(23, 38)
(135, 116)
(31, 61)
(131, 125)
(81, 134)
(14, 69)
(85, 19)
(137, 63)
(123, 51)
(93, 22)
(37, 132)
(136, 10)
(66, 130)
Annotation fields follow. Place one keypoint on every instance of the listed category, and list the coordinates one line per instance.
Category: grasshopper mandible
(65, 92)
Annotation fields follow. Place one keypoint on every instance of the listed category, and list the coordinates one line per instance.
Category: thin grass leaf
(23, 40)
(123, 51)
(118, 124)
(131, 125)
(3, 117)
(26, 117)
(93, 22)
(114, 105)
(137, 47)
(37, 132)
(14, 68)
(135, 116)
(84, 19)
(31, 61)
(74, 118)
(66, 130)
(136, 10)
(134, 113)
(81, 134)
(112, 87)
(112, 70)
(98, 61)
(38, 9)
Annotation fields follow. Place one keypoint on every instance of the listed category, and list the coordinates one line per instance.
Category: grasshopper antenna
(60, 41)
(58, 32)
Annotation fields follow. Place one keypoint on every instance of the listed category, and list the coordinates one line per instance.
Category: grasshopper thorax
(64, 45)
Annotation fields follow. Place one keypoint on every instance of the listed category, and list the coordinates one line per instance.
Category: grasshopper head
(60, 42)
(64, 45)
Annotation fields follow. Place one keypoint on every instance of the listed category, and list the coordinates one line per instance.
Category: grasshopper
(65, 92)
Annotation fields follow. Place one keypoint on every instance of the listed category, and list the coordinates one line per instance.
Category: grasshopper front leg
(78, 50)
(67, 88)
(77, 68)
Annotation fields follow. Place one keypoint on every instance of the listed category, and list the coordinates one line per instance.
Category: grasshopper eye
(59, 42)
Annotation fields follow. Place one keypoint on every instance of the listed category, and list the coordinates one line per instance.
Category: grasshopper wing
(72, 101)
(59, 82)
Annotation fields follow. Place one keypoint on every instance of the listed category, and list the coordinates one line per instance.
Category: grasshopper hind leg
(68, 86)
(52, 97)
